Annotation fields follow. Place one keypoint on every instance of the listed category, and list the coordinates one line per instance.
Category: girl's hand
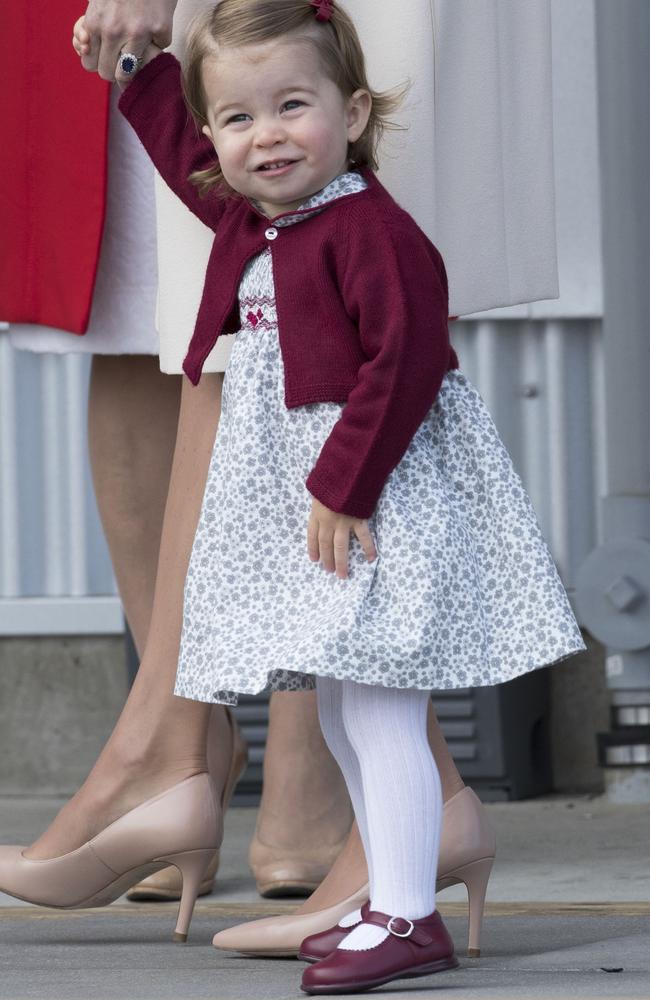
(80, 38)
(81, 42)
(328, 538)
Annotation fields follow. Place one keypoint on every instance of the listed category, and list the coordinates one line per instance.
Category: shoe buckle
(397, 933)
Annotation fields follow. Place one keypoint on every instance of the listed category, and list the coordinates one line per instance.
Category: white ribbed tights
(378, 736)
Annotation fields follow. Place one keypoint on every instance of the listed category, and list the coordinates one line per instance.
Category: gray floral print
(464, 591)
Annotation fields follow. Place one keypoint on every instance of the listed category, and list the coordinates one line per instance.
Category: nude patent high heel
(166, 885)
(182, 827)
(467, 849)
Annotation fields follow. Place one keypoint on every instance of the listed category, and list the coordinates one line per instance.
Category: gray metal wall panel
(51, 540)
(542, 382)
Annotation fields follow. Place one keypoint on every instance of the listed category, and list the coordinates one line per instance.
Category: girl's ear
(206, 131)
(358, 111)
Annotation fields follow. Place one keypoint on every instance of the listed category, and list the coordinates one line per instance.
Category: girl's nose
(269, 134)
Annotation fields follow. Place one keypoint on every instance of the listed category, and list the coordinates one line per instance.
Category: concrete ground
(568, 915)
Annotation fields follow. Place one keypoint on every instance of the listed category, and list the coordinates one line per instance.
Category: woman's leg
(159, 738)
(350, 871)
(133, 420)
(450, 778)
(305, 813)
(133, 411)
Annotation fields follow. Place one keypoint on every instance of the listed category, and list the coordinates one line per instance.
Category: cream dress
(122, 316)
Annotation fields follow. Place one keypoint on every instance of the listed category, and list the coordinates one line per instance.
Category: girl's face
(280, 127)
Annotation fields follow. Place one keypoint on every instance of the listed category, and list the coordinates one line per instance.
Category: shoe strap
(399, 926)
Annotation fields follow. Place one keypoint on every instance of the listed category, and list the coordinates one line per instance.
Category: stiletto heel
(476, 880)
(192, 865)
(475, 877)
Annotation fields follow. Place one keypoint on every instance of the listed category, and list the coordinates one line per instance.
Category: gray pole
(613, 595)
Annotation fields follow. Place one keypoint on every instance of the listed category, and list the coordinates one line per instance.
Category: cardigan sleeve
(395, 290)
(154, 106)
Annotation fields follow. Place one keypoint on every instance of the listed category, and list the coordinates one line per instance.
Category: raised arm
(396, 292)
(153, 104)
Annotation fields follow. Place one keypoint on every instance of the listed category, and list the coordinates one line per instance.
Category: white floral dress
(464, 591)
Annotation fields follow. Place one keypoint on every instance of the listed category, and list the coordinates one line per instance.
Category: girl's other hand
(80, 38)
(328, 538)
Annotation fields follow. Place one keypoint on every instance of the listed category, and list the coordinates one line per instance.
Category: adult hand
(328, 538)
(125, 25)
(81, 44)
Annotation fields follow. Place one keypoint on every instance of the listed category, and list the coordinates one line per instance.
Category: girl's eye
(291, 105)
(241, 117)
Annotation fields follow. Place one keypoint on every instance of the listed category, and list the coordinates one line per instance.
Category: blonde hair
(237, 23)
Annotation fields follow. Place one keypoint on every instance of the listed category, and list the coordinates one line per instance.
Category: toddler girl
(363, 528)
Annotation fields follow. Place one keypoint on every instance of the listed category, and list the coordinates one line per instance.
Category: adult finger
(362, 531)
(112, 49)
(341, 550)
(129, 47)
(312, 540)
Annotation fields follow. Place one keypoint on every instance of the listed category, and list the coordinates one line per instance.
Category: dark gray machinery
(613, 585)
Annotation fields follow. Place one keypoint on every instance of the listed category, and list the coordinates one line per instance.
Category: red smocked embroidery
(254, 318)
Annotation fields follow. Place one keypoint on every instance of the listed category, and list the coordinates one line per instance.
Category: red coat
(53, 122)
(361, 295)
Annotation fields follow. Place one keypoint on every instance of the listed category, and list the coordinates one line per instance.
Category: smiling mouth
(275, 165)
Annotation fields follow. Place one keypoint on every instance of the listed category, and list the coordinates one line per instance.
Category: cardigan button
(271, 233)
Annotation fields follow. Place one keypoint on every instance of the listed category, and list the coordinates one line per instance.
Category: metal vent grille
(499, 738)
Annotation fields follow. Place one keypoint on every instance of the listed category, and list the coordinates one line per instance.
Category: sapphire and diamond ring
(128, 63)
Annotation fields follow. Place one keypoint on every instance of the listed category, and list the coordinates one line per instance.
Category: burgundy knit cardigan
(361, 294)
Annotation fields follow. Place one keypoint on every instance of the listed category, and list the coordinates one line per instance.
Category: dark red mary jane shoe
(318, 946)
(413, 948)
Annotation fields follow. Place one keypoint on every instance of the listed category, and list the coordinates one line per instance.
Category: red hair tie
(324, 9)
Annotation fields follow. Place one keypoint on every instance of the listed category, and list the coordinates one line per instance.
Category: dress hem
(231, 697)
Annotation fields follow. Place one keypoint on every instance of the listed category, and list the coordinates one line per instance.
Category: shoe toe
(317, 975)
(233, 938)
(270, 935)
(331, 974)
